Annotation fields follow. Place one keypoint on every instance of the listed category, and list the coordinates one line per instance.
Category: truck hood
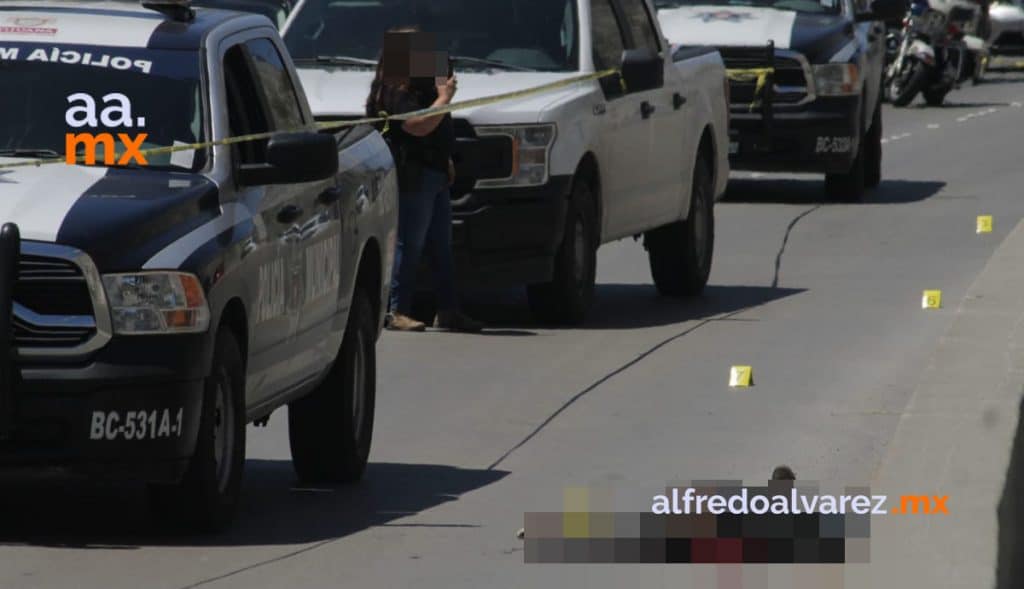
(342, 93)
(817, 36)
(120, 217)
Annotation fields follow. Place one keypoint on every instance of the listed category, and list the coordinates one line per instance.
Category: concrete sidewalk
(961, 436)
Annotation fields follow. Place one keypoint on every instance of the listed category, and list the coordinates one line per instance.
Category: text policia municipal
(70, 56)
(689, 502)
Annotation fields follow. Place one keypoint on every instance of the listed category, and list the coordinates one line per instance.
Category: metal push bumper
(822, 136)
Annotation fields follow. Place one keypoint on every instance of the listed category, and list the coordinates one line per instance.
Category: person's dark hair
(381, 86)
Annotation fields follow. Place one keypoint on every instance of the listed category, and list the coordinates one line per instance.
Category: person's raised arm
(423, 126)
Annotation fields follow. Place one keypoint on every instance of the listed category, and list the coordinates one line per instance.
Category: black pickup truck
(805, 82)
(156, 305)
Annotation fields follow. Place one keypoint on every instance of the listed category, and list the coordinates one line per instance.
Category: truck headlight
(836, 79)
(156, 302)
(531, 146)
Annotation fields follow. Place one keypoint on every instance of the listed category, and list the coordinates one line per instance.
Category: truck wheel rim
(359, 386)
(223, 441)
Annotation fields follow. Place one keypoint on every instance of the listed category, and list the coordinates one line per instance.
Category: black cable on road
(785, 241)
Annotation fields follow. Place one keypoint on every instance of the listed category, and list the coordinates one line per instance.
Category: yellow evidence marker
(984, 224)
(741, 376)
(931, 299)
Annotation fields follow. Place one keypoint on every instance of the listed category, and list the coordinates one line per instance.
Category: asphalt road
(822, 299)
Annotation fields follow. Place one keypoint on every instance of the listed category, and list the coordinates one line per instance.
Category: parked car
(815, 105)
(544, 180)
(1006, 37)
(158, 304)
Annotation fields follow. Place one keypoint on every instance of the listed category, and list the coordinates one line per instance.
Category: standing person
(412, 75)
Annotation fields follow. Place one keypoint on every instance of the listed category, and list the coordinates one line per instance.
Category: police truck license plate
(152, 424)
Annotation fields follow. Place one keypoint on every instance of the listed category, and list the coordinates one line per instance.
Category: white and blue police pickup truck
(818, 109)
(152, 306)
(543, 180)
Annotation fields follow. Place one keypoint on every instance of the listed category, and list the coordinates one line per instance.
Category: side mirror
(293, 158)
(642, 69)
(886, 10)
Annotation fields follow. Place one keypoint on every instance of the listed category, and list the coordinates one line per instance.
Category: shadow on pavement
(1010, 515)
(274, 511)
(950, 104)
(812, 191)
(626, 306)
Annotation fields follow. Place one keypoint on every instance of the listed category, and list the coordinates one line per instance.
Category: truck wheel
(849, 187)
(680, 253)
(567, 298)
(207, 496)
(873, 151)
(331, 428)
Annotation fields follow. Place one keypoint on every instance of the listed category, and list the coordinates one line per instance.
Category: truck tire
(567, 298)
(873, 151)
(206, 498)
(849, 186)
(680, 253)
(330, 429)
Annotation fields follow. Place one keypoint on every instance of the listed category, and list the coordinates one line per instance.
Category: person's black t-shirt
(433, 150)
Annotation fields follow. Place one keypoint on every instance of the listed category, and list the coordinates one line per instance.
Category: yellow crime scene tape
(383, 117)
(746, 75)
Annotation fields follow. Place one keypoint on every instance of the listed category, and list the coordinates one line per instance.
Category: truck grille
(29, 335)
(58, 303)
(790, 81)
(52, 286)
(56, 308)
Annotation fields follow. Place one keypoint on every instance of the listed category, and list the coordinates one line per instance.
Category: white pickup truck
(544, 180)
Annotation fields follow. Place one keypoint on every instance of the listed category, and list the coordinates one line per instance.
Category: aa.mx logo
(116, 113)
(724, 16)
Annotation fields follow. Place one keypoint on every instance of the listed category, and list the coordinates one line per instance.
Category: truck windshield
(56, 91)
(811, 6)
(538, 35)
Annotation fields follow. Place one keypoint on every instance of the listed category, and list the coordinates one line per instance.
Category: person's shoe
(456, 321)
(399, 322)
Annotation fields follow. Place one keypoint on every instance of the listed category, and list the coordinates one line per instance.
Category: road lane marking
(933, 125)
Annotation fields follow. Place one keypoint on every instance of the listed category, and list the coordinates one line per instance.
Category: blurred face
(413, 55)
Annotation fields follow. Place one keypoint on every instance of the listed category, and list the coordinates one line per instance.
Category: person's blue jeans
(424, 223)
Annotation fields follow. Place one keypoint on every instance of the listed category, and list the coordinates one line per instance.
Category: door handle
(646, 109)
(288, 214)
(678, 100)
(329, 196)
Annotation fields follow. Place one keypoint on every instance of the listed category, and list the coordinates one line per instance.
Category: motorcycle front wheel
(907, 83)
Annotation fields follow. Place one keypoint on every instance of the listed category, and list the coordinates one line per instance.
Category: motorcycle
(930, 59)
(971, 18)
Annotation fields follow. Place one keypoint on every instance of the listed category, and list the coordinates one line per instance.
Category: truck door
(625, 147)
(315, 231)
(669, 123)
(277, 280)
